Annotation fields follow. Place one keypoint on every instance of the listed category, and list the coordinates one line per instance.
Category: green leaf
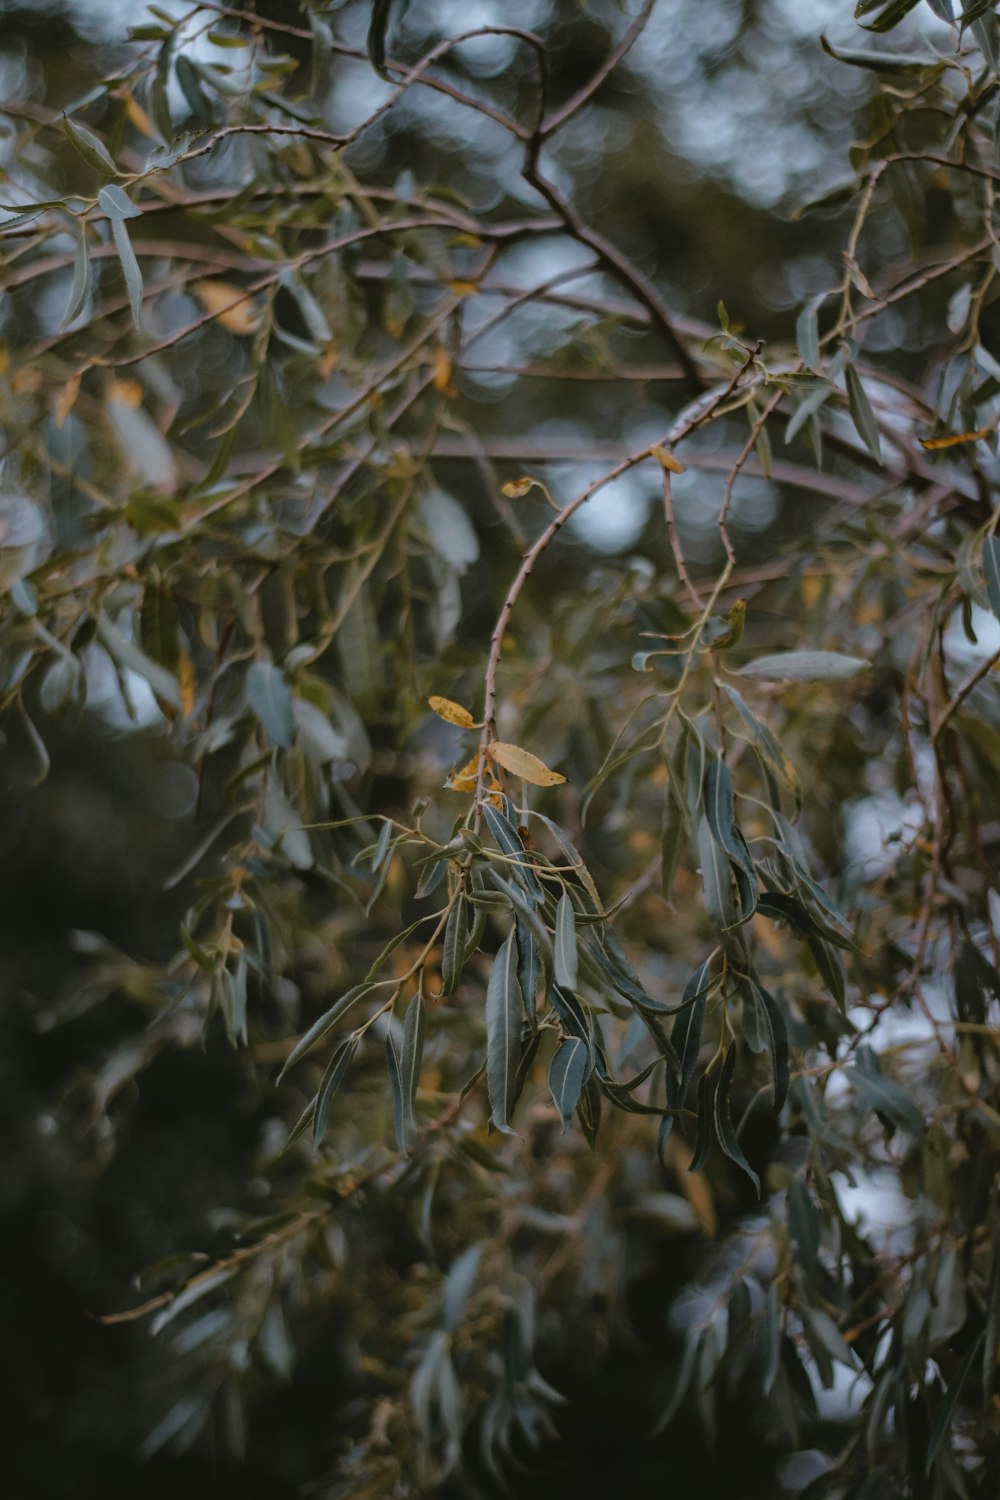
(82, 279)
(717, 880)
(453, 947)
(884, 1095)
(723, 1123)
(332, 1079)
(503, 1031)
(686, 1031)
(991, 568)
(570, 1069)
(807, 335)
(528, 966)
(703, 1138)
(130, 269)
(564, 947)
(411, 1059)
(377, 31)
(772, 1338)
(769, 748)
(128, 654)
(457, 1286)
(117, 204)
(324, 1023)
(270, 697)
(509, 840)
(890, 17)
(773, 1025)
(879, 62)
(396, 1083)
(804, 666)
(946, 1411)
(861, 413)
(90, 146)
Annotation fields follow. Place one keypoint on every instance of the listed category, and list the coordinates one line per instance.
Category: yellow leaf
(442, 370)
(188, 681)
(932, 444)
(125, 392)
(67, 400)
(465, 779)
(139, 117)
(463, 288)
(668, 461)
(452, 713)
(522, 763)
(515, 488)
(228, 305)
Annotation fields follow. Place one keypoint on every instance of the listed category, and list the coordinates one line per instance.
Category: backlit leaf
(452, 713)
(522, 763)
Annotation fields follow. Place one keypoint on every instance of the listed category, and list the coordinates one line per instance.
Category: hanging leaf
(453, 946)
(90, 146)
(564, 947)
(396, 1086)
(717, 879)
(411, 1059)
(522, 763)
(79, 292)
(723, 1123)
(991, 568)
(503, 1031)
(861, 413)
(768, 748)
(324, 1023)
(377, 31)
(772, 1024)
(452, 713)
(568, 1073)
(270, 697)
(332, 1079)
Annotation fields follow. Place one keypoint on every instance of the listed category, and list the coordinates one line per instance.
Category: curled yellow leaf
(515, 488)
(228, 305)
(666, 459)
(522, 763)
(452, 713)
(465, 779)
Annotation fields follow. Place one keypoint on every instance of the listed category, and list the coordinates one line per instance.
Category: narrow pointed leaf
(861, 413)
(130, 269)
(271, 700)
(805, 666)
(453, 946)
(411, 1059)
(768, 748)
(394, 1069)
(323, 1024)
(991, 567)
(90, 146)
(717, 879)
(565, 943)
(723, 1122)
(332, 1079)
(570, 1070)
(503, 1030)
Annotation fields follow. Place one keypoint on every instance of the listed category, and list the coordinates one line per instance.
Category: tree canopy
(499, 609)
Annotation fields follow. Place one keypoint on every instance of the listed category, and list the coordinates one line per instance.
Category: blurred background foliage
(261, 498)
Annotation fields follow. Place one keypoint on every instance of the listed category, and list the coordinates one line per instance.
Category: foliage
(541, 895)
